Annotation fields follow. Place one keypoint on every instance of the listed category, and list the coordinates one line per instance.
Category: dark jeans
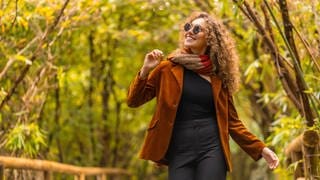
(195, 151)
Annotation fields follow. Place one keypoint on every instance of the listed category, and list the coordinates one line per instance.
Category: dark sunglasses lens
(196, 29)
(187, 27)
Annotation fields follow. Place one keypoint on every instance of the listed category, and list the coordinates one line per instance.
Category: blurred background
(65, 67)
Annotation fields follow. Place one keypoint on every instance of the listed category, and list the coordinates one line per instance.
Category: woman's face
(194, 40)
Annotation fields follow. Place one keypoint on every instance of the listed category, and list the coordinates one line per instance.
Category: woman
(195, 114)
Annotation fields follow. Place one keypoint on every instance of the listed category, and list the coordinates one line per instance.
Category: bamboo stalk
(299, 74)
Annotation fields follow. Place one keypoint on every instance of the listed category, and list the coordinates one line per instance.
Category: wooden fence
(49, 167)
(304, 150)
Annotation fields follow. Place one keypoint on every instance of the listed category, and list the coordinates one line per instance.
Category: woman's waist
(194, 122)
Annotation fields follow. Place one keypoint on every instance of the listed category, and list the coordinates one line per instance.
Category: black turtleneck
(196, 99)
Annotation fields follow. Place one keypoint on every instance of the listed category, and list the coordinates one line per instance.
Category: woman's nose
(189, 32)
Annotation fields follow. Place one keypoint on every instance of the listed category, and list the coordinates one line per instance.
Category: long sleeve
(240, 134)
(143, 90)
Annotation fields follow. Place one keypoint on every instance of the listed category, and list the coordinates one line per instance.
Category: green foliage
(25, 139)
(75, 89)
(284, 129)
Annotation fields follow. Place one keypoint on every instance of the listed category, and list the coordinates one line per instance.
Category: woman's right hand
(151, 60)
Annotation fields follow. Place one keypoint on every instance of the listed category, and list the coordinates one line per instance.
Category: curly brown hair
(221, 50)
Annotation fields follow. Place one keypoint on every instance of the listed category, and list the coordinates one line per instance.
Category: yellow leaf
(23, 58)
(44, 45)
(46, 12)
(65, 23)
(20, 57)
(21, 21)
(308, 91)
(3, 29)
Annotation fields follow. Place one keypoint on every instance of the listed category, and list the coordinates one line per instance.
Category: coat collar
(177, 71)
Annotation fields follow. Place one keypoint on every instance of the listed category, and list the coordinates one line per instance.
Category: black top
(196, 100)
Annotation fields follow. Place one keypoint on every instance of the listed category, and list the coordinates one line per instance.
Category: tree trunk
(57, 117)
(105, 111)
(311, 154)
(90, 99)
(116, 134)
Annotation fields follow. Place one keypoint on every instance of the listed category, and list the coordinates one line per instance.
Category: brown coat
(165, 83)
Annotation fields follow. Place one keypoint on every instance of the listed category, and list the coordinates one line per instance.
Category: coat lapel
(177, 71)
(216, 87)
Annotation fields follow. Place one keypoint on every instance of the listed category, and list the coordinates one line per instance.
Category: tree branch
(57, 19)
(243, 10)
(34, 56)
(267, 22)
(11, 60)
(302, 85)
(15, 16)
(307, 48)
(316, 21)
(288, 28)
(283, 70)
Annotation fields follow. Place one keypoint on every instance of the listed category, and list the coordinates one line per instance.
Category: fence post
(129, 177)
(47, 175)
(1, 172)
(310, 154)
(101, 177)
(297, 156)
(79, 176)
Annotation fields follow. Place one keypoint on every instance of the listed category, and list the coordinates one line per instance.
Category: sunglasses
(195, 30)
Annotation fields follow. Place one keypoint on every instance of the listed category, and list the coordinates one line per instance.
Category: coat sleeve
(240, 134)
(143, 90)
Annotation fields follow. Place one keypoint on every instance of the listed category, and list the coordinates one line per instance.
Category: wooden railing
(304, 150)
(49, 167)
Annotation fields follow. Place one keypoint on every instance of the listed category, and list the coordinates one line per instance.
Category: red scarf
(207, 68)
(207, 65)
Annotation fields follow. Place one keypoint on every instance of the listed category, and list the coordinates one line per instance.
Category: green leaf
(251, 71)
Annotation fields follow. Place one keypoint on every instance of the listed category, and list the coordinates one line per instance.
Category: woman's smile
(190, 38)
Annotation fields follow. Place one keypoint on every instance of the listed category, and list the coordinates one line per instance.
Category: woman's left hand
(270, 157)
